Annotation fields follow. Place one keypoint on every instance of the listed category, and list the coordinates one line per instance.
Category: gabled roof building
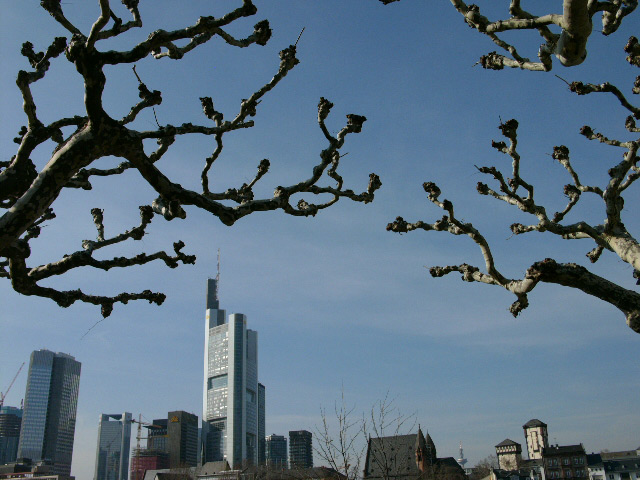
(408, 457)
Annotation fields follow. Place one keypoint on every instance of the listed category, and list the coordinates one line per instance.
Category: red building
(144, 460)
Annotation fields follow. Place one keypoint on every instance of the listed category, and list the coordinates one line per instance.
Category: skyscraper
(300, 450)
(233, 400)
(114, 440)
(182, 434)
(276, 451)
(10, 421)
(49, 418)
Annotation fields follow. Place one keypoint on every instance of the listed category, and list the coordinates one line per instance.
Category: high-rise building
(114, 440)
(182, 445)
(262, 394)
(276, 446)
(49, 418)
(158, 435)
(233, 400)
(10, 421)
(300, 449)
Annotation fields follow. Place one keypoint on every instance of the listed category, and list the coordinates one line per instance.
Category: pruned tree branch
(569, 46)
(27, 195)
(610, 235)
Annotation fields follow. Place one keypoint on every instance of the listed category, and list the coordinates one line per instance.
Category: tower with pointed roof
(426, 454)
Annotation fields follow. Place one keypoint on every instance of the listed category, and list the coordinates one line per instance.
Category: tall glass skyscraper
(49, 418)
(233, 400)
(114, 441)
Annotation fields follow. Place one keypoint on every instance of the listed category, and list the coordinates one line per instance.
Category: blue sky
(336, 299)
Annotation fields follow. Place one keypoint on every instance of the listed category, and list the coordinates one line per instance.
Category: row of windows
(568, 473)
(554, 462)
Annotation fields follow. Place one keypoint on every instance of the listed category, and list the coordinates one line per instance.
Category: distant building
(262, 448)
(509, 455)
(565, 461)
(537, 438)
(49, 418)
(26, 469)
(144, 459)
(621, 455)
(158, 435)
(10, 421)
(300, 449)
(182, 432)
(408, 457)
(233, 400)
(276, 451)
(114, 442)
(623, 465)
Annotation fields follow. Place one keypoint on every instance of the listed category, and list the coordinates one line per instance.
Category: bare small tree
(344, 451)
(28, 193)
(344, 445)
(610, 235)
(483, 468)
(385, 424)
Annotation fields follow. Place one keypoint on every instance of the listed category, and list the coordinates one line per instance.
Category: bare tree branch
(27, 195)
(569, 46)
(611, 235)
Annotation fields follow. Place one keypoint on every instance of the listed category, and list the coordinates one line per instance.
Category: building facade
(509, 454)
(300, 449)
(158, 435)
(10, 421)
(144, 460)
(565, 461)
(114, 442)
(182, 433)
(276, 451)
(49, 417)
(233, 400)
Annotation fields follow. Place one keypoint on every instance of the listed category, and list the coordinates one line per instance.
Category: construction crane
(2, 395)
(140, 437)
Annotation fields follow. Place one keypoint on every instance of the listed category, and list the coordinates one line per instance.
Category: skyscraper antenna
(218, 276)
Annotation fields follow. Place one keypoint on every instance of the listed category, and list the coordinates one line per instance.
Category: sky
(339, 303)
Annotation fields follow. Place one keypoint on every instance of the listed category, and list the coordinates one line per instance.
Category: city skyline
(340, 303)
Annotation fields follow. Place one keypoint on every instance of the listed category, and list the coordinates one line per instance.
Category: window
(565, 461)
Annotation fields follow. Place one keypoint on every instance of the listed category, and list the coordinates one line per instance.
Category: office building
(114, 440)
(182, 444)
(10, 421)
(158, 435)
(276, 451)
(49, 417)
(233, 400)
(300, 449)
